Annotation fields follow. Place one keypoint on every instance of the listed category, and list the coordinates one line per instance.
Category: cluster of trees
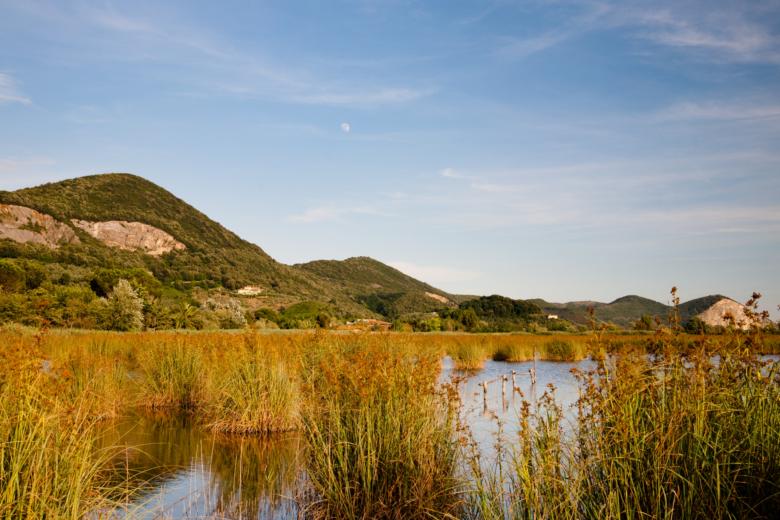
(303, 315)
(485, 314)
(36, 293)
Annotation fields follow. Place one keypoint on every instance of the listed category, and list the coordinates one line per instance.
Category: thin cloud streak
(9, 92)
(241, 74)
(716, 111)
(708, 31)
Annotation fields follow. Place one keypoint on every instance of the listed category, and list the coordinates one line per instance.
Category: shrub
(125, 310)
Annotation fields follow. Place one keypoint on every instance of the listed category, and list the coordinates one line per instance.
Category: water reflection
(484, 411)
(189, 473)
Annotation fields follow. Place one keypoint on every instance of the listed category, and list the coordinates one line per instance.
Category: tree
(323, 320)
(12, 277)
(125, 308)
(469, 319)
(696, 325)
(644, 323)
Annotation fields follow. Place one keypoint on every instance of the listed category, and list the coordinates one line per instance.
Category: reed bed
(670, 437)
(381, 438)
(50, 466)
(662, 430)
(467, 355)
(255, 394)
(172, 377)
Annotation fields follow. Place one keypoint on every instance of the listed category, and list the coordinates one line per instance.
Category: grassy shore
(667, 435)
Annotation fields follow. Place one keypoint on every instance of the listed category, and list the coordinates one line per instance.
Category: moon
(345, 127)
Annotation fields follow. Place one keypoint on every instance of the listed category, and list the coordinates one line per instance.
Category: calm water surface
(189, 473)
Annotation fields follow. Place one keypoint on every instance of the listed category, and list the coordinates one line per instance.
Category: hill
(697, 306)
(64, 246)
(99, 228)
(623, 311)
(383, 289)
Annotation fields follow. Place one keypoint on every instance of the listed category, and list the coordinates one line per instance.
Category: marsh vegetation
(664, 425)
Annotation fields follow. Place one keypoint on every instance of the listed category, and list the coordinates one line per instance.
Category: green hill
(213, 259)
(213, 253)
(64, 282)
(626, 310)
(383, 289)
(623, 312)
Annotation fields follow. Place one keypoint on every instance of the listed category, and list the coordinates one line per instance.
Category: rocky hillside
(625, 311)
(122, 221)
(66, 243)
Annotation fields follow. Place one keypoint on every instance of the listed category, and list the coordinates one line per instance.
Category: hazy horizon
(570, 150)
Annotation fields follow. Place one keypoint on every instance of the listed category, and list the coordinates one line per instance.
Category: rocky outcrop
(437, 297)
(717, 314)
(250, 290)
(26, 225)
(131, 236)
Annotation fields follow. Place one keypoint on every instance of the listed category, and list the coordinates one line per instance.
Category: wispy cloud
(9, 91)
(517, 48)
(451, 173)
(714, 31)
(211, 64)
(726, 34)
(723, 111)
(379, 96)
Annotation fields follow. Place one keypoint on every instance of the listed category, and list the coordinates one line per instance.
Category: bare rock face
(131, 236)
(437, 297)
(250, 290)
(716, 315)
(26, 225)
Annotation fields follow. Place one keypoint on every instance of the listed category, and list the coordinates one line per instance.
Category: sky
(569, 150)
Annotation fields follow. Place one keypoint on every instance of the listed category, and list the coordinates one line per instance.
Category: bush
(12, 276)
(125, 309)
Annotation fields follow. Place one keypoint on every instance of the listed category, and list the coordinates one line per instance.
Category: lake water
(189, 473)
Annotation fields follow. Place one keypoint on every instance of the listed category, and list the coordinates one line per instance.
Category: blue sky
(559, 149)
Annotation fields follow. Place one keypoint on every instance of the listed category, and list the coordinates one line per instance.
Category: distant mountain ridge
(626, 310)
(80, 222)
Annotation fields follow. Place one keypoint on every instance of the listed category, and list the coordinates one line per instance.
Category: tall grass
(513, 352)
(671, 437)
(660, 431)
(50, 466)
(467, 355)
(563, 350)
(255, 394)
(173, 377)
(380, 439)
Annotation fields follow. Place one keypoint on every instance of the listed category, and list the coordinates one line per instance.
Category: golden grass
(379, 432)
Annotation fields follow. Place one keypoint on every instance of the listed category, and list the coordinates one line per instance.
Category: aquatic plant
(172, 376)
(254, 394)
(380, 438)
